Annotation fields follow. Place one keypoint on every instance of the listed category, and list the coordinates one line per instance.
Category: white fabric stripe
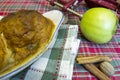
(66, 67)
(65, 64)
(74, 53)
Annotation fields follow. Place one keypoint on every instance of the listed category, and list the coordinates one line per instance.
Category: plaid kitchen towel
(58, 61)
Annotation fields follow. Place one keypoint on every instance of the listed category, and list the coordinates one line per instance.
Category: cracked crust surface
(25, 32)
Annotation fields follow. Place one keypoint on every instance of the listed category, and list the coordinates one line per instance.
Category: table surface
(111, 48)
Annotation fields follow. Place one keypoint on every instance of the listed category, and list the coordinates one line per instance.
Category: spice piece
(96, 72)
(107, 68)
(92, 59)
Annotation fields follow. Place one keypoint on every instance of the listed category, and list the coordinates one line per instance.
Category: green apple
(98, 25)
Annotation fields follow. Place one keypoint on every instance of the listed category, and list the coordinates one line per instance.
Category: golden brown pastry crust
(2, 53)
(25, 32)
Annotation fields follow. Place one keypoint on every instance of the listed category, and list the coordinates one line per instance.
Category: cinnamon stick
(92, 59)
(96, 72)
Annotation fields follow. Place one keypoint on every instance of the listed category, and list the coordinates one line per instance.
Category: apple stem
(68, 9)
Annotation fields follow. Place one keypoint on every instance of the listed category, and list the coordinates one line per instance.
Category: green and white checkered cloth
(58, 61)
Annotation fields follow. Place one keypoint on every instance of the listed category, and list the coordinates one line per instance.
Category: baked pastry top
(22, 35)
